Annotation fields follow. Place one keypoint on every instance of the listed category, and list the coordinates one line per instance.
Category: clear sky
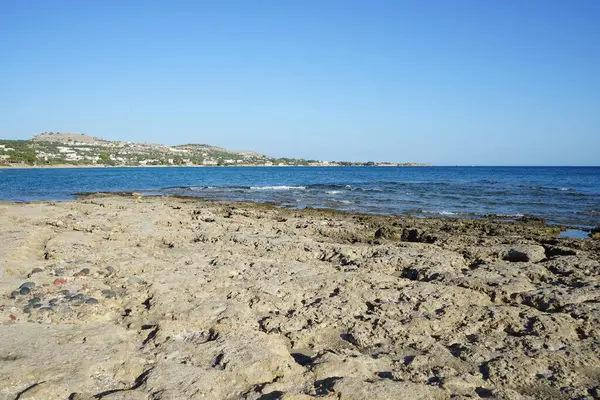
(511, 82)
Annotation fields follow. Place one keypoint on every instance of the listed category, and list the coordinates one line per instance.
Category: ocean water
(562, 195)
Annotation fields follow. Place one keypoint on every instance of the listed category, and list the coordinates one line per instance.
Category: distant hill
(52, 148)
(65, 138)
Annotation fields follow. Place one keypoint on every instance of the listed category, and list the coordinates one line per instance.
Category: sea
(561, 195)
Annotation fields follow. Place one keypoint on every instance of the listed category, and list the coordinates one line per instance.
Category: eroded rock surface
(156, 298)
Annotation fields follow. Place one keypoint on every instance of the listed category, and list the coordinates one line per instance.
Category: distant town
(68, 149)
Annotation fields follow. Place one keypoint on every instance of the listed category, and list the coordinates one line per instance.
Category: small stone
(83, 272)
(46, 308)
(59, 272)
(27, 309)
(91, 300)
(53, 301)
(29, 285)
(24, 290)
(35, 271)
(531, 253)
(65, 292)
(14, 294)
(110, 269)
(34, 300)
(36, 305)
(109, 293)
(64, 311)
(60, 281)
(135, 280)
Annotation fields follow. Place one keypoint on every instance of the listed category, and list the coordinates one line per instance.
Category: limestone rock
(241, 301)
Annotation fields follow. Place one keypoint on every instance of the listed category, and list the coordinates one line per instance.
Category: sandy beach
(121, 297)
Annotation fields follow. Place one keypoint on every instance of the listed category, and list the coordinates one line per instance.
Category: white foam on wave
(277, 187)
(333, 192)
(439, 212)
(201, 187)
(444, 212)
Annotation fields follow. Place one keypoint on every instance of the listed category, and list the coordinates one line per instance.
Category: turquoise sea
(562, 195)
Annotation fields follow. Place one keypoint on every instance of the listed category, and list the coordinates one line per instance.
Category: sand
(166, 298)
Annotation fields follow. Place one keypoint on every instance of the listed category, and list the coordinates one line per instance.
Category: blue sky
(448, 82)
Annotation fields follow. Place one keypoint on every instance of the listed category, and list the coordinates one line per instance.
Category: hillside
(50, 148)
(53, 148)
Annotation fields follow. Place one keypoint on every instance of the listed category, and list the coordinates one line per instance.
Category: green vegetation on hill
(56, 148)
(53, 148)
(17, 151)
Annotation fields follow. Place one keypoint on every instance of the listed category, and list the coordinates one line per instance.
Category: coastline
(59, 166)
(483, 192)
(246, 299)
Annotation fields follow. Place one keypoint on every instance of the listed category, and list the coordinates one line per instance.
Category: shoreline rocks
(181, 298)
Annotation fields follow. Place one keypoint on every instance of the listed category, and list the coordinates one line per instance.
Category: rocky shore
(129, 297)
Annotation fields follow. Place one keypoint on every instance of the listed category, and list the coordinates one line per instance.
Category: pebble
(110, 269)
(53, 301)
(29, 285)
(46, 308)
(59, 272)
(83, 272)
(91, 300)
(35, 271)
(36, 305)
(24, 290)
(134, 280)
(65, 292)
(60, 281)
(14, 294)
(64, 309)
(109, 293)
(34, 300)
(77, 299)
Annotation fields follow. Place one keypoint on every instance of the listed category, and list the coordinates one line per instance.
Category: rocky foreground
(156, 298)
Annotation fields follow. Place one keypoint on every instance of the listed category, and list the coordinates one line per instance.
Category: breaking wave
(282, 187)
